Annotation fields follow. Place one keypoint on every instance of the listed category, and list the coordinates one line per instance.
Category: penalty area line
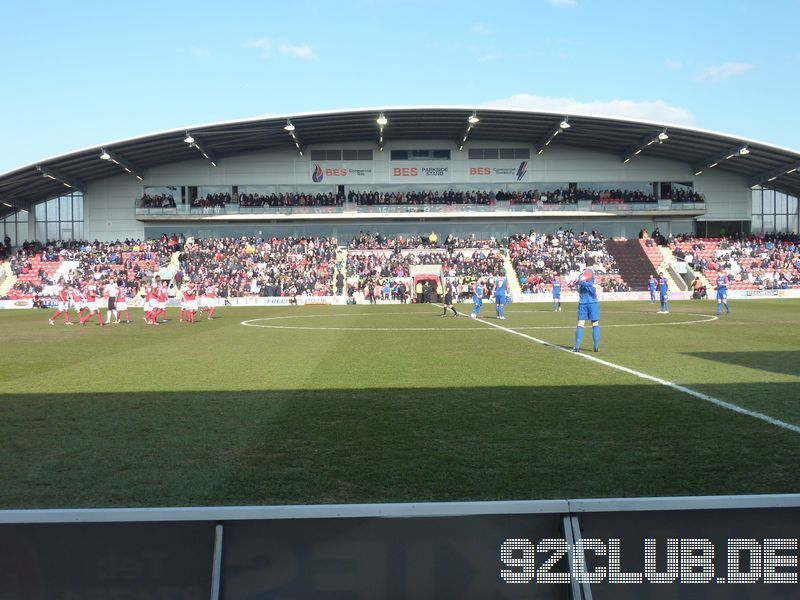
(675, 386)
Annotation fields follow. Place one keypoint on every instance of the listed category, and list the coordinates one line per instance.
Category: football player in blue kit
(663, 294)
(500, 293)
(477, 299)
(722, 293)
(556, 294)
(588, 309)
(651, 285)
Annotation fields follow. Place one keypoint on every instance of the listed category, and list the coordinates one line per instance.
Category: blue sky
(76, 74)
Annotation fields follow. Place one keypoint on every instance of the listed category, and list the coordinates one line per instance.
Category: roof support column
(31, 226)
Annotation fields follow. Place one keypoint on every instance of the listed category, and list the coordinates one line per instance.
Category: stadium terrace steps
(9, 280)
(341, 261)
(668, 258)
(655, 254)
(514, 286)
(635, 266)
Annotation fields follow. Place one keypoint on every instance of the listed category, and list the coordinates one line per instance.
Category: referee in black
(449, 290)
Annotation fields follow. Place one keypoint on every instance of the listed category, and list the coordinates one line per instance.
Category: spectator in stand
(157, 201)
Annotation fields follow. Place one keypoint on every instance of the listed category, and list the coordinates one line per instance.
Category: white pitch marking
(664, 382)
(251, 323)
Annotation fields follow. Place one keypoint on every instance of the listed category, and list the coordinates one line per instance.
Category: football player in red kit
(79, 300)
(209, 300)
(162, 302)
(92, 294)
(190, 298)
(151, 304)
(63, 303)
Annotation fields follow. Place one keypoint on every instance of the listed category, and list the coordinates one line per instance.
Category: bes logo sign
(316, 175)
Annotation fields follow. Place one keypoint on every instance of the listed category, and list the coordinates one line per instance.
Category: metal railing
(351, 208)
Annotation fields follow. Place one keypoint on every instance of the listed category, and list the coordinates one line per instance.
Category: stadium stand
(754, 262)
(249, 266)
(537, 258)
(39, 266)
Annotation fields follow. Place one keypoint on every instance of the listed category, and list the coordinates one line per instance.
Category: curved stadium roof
(765, 164)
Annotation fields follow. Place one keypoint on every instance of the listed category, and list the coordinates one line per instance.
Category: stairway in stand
(7, 282)
(633, 264)
(514, 286)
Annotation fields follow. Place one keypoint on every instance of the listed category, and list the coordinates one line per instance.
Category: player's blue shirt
(722, 282)
(556, 288)
(587, 293)
(662, 285)
(477, 293)
(652, 284)
(500, 286)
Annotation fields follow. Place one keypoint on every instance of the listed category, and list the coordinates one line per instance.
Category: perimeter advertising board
(411, 172)
(498, 171)
(341, 172)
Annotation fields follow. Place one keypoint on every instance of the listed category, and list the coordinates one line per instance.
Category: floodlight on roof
(473, 118)
(744, 150)
(663, 137)
(564, 123)
(63, 178)
(189, 139)
(382, 120)
(105, 155)
(289, 126)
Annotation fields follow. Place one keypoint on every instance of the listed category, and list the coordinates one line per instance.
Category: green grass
(440, 409)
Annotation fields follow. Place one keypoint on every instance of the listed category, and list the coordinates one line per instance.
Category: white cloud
(655, 110)
(266, 45)
(304, 52)
(717, 73)
(490, 56)
(482, 29)
(263, 44)
(563, 2)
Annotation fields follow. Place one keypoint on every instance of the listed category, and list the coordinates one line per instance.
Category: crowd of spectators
(449, 197)
(681, 195)
(219, 200)
(157, 201)
(376, 241)
(537, 258)
(279, 200)
(378, 264)
(571, 195)
(133, 261)
(565, 195)
(769, 261)
(249, 266)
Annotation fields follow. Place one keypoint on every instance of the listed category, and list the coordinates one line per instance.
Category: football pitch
(395, 404)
